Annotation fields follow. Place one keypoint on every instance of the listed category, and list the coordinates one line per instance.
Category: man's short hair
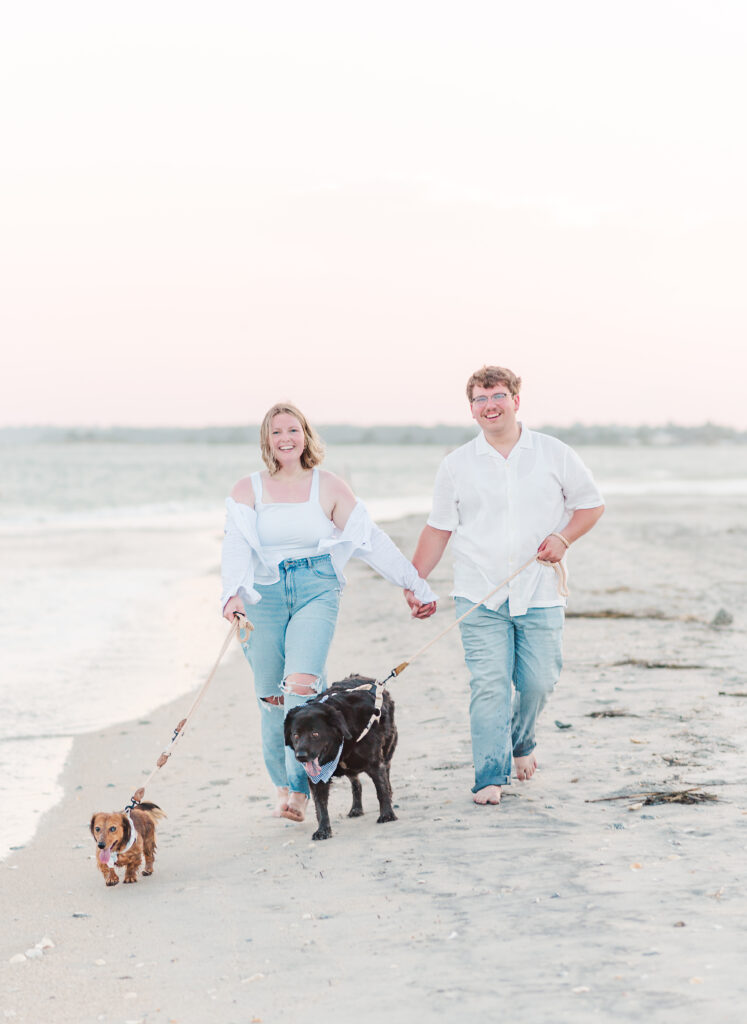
(489, 376)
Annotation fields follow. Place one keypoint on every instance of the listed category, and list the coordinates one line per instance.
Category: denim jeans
(293, 628)
(500, 651)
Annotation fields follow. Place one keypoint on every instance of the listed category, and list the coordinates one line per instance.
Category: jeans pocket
(324, 570)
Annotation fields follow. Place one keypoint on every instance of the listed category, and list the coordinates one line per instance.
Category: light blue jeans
(293, 628)
(500, 651)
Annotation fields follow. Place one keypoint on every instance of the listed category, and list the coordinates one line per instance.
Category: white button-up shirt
(501, 509)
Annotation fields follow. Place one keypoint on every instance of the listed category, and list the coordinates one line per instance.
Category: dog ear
(93, 822)
(338, 720)
(288, 727)
(125, 829)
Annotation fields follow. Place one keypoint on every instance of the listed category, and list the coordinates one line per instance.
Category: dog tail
(153, 809)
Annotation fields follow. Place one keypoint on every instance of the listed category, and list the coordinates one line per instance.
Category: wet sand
(560, 904)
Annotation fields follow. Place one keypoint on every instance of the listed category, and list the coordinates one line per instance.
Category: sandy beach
(561, 904)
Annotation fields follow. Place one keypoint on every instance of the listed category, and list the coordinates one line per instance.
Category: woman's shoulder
(243, 491)
(332, 483)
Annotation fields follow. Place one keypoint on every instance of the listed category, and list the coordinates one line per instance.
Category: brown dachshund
(123, 839)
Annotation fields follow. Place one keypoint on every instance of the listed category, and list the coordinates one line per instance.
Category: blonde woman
(290, 530)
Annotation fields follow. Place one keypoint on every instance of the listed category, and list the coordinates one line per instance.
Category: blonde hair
(489, 376)
(313, 451)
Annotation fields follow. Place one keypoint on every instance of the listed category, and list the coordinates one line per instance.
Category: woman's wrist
(561, 537)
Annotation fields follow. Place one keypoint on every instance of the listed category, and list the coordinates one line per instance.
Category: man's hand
(418, 609)
(551, 549)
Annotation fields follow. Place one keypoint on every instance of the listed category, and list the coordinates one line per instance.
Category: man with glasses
(505, 496)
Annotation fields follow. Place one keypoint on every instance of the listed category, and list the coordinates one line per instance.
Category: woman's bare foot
(282, 802)
(296, 808)
(488, 795)
(525, 767)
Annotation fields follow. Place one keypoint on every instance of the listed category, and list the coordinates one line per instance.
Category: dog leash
(380, 687)
(243, 627)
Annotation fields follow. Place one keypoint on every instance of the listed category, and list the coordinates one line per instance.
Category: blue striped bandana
(324, 772)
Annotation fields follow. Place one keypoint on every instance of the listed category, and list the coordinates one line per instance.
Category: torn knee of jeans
(301, 689)
(271, 701)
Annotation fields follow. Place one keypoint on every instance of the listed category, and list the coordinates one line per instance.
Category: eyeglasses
(499, 396)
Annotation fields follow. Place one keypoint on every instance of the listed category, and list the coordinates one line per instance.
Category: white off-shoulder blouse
(244, 567)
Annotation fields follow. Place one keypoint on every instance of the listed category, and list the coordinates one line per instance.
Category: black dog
(315, 730)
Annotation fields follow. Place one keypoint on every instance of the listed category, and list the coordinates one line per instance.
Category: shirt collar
(483, 448)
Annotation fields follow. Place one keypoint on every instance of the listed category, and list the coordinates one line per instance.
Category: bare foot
(282, 802)
(525, 767)
(488, 795)
(296, 809)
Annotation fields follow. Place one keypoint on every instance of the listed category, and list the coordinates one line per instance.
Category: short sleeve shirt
(499, 511)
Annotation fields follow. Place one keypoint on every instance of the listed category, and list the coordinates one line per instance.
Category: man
(506, 495)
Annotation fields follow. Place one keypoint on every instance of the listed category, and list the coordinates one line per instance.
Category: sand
(558, 905)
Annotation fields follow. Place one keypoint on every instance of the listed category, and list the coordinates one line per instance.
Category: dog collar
(326, 771)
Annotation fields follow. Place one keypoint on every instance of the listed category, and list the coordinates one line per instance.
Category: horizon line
(336, 425)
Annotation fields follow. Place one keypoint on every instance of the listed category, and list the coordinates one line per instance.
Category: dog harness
(116, 853)
(326, 771)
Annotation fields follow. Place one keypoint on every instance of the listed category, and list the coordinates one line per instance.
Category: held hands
(417, 608)
(552, 548)
(234, 604)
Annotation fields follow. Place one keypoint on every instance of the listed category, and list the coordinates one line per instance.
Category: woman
(289, 532)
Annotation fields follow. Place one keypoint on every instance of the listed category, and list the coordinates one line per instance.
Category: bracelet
(561, 537)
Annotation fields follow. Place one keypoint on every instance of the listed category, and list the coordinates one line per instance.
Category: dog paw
(389, 816)
(129, 881)
(113, 881)
(355, 812)
(322, 833)
(147, 872)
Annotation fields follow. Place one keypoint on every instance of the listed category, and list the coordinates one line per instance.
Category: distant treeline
(442, 434)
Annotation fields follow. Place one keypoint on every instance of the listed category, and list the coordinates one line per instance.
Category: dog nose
(302, 754)
(101, 845)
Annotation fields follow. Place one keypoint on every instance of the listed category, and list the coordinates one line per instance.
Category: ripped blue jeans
(514, 663)
(293, 628)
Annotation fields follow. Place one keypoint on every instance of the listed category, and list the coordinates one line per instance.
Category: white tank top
(290, 529)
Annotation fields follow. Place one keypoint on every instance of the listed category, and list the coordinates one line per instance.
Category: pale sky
(210, 207)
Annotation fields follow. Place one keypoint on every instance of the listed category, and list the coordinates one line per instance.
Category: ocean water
(109, 585)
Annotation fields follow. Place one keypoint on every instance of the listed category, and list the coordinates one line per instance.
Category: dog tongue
(104, 856)
(312, 767)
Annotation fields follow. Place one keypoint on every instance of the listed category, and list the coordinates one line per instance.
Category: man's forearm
(581, 522)
(431, 546)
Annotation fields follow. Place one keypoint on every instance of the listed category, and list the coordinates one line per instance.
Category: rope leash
(380, 687)
(243, 627)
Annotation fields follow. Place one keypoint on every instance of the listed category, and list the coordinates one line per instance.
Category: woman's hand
(418, 609)
(233, 605)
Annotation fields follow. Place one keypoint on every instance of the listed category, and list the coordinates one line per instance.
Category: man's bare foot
(525, 767)
(296, 809)
(488, 795)
(282, 802)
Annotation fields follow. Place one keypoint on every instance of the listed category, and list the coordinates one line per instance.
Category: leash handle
(245, 626)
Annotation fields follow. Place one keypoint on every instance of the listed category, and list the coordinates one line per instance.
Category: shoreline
(125, 630)
(576, 905)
